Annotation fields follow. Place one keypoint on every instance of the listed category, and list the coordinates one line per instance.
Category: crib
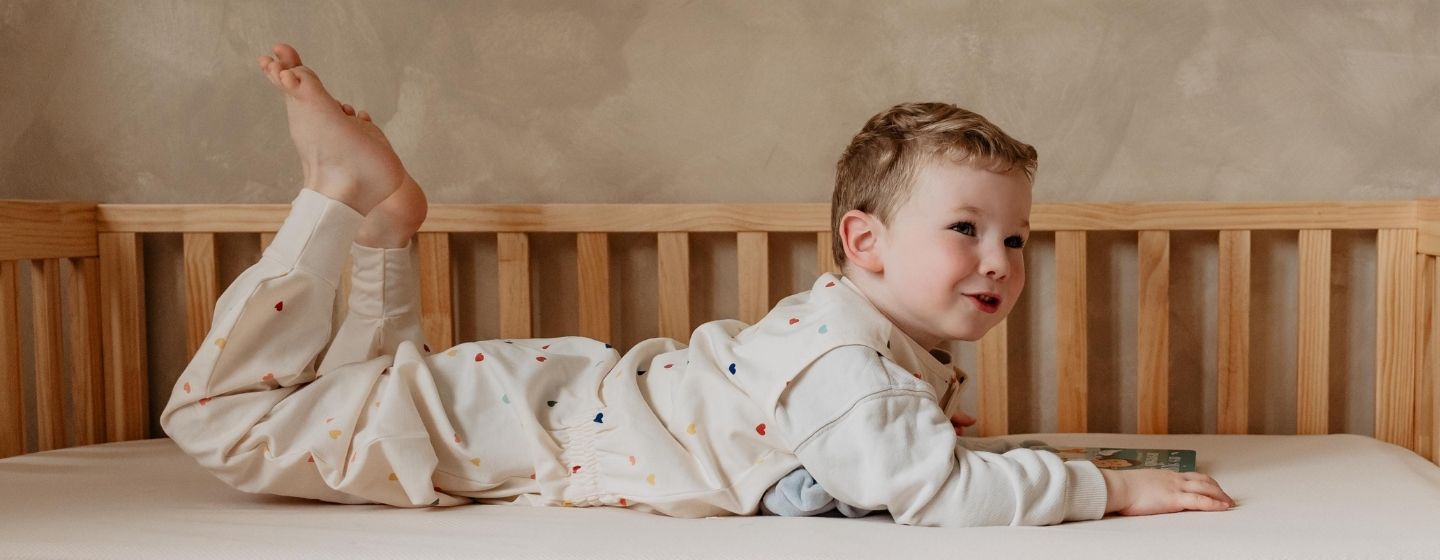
(83, 475)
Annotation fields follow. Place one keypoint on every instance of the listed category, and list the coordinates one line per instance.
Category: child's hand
(960, 421)
(1152, 491)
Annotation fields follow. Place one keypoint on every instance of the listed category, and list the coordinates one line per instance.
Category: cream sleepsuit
(824, 380)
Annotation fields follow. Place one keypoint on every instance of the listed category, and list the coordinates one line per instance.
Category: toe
(303, 82)
(270, 67)
(289, 78)
(287, 55)
(348, 109)
(364, 116)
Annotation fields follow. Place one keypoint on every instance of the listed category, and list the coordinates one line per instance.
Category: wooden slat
(1432, 363)
(1424, 355)
(592, 250)
(266, 237)
(752, 251)
(513, 252)
(1312, 358)
(201, 280)
(1395, 337)
(46, 230)
(1427, 223)
(782, 217)
(87, 382)
(122, 296)
(12, 401)
(674, 265)
(995, 382)
(1072, 346)
(824, 254)
(437, 317)
(1234, 327)
(49, 353)
(1153, 369)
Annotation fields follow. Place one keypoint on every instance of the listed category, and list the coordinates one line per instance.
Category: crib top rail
(792, 217)
(47, 230)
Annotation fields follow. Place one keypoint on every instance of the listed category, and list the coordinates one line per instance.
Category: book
(1124, 459)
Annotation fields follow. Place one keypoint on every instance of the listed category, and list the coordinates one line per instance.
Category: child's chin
(971, 333)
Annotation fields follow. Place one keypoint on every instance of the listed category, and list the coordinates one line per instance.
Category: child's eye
(1015, 242)
(964, 228)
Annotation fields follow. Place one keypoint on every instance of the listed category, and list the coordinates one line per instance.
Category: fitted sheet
(1334, 496)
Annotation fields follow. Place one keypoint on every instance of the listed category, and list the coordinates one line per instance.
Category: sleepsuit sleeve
(876, 439)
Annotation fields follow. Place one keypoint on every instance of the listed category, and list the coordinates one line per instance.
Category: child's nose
(995, 266)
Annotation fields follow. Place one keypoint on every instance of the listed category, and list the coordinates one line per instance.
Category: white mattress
(1337, 496)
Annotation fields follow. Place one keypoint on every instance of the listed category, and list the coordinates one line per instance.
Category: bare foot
(344, 155)
(392, 222)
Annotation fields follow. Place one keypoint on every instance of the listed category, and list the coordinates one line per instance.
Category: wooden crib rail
(1407, 234)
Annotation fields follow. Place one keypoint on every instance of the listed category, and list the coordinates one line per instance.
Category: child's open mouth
(986, 301)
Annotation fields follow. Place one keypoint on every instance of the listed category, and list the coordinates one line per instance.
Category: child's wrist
(1115, 490)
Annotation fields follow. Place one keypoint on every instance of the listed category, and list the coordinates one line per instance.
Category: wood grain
(1153, 363)
(593, 270)
(513, 253)
(437, 317)
(752, 254)
(122, 299)
(674, 265)
(1312, 348)
(87, 379)
(1072, 345)
(1234, 327)
(201, 279)
(13, 421)
(1395, 337)
(994, 417)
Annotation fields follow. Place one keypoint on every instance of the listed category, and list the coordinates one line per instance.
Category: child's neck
(869, 287)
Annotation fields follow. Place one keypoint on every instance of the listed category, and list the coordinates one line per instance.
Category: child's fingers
(1202, 484)
(1202, 502)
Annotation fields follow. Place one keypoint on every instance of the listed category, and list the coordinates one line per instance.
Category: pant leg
(251, 407)
(383, 308)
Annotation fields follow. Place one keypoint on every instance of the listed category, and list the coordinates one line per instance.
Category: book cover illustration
(1123, 459)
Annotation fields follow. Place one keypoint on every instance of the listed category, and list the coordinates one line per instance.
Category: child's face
(957, 237)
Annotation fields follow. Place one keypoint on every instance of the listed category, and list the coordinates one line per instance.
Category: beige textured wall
(701, 101)
(549, 101)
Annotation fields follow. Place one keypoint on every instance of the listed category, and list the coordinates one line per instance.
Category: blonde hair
(877, 171)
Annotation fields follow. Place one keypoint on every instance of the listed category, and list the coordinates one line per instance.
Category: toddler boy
(930, 216)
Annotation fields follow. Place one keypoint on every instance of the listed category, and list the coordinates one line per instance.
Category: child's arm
(873, 436)
(876, 442)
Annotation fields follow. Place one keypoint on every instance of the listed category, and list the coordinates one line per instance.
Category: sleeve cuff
(382, 281)
(1085, 494)
(315, 235)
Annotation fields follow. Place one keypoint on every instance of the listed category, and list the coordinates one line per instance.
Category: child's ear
(860, 233)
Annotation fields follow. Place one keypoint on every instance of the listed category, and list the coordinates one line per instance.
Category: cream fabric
(1312, 497)
(568, 421)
